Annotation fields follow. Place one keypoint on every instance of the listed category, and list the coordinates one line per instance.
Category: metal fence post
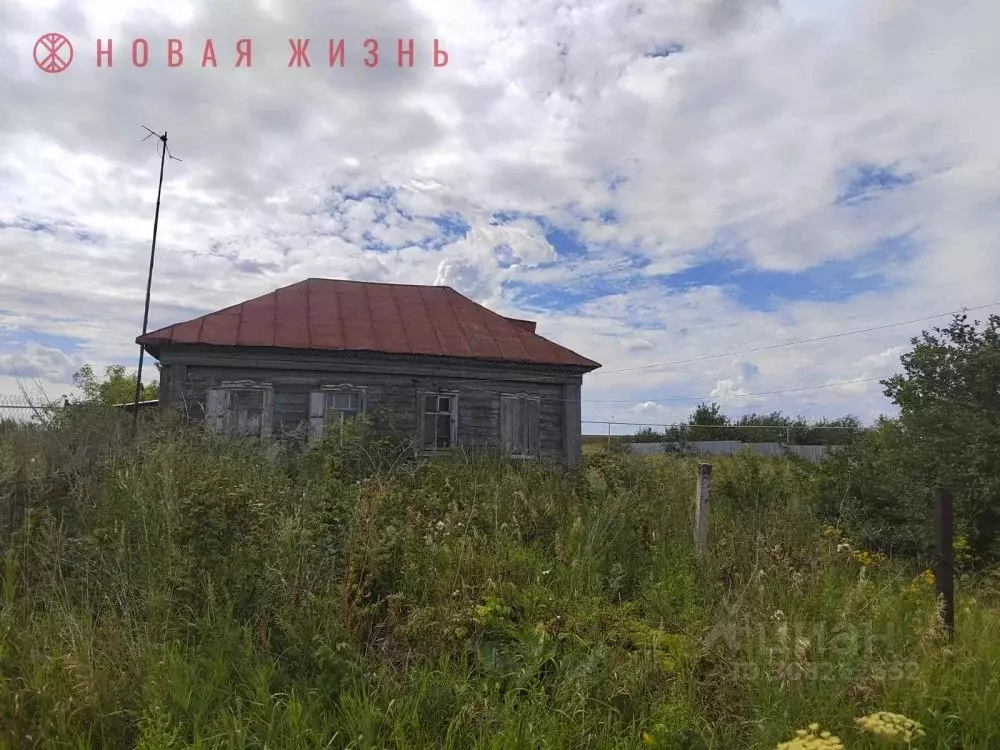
(944, 574)
(701, 507)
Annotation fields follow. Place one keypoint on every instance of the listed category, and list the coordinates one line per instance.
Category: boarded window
(439, 421)
(519, 424)
(332, 407)
(239, 411)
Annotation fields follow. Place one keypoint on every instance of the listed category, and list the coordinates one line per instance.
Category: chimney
(528, 325)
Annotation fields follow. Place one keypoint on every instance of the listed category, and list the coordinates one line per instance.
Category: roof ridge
(375, 283)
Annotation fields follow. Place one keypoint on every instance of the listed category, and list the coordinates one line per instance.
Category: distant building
(421, 360)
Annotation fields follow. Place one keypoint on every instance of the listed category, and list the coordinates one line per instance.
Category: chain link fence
(23, 409)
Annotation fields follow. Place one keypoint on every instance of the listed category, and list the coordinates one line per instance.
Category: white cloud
(742, 140)
(38, 362)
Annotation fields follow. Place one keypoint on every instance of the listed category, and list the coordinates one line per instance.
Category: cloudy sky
(654, 182)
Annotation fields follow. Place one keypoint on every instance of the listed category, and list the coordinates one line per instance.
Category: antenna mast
(164, 153)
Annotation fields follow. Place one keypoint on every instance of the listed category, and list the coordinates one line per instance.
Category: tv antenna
(164, 151)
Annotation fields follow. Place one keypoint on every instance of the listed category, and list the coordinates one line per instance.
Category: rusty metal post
(701, 508)
(944, 573)
(149, 286)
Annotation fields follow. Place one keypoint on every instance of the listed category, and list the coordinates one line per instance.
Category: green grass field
(190, 593)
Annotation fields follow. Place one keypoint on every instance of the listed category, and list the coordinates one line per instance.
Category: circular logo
(53, 53)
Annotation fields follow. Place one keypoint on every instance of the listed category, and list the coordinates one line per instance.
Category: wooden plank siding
(392, 392)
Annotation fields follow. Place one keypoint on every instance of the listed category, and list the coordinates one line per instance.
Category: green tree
(777, 427)
(649, 435)
(707, 422)
(949, 402)
(755, 428)
(115, 388)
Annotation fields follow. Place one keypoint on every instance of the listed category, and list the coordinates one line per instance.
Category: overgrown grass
(192, 593)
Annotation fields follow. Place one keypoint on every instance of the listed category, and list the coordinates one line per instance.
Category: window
(519, 418)
(332, 406)
(439, 420)
(240, 409)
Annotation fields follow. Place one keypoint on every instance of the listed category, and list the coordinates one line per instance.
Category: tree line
(708, 422)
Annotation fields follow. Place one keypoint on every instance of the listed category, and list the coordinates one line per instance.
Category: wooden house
(423, 361)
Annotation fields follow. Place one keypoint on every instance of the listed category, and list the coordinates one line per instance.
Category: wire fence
(23, 408)
(28, 409)
(789, 433)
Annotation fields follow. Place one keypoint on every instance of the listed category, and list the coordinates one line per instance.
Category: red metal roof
(337, 315)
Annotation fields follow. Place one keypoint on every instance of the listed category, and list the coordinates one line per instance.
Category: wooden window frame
(320, 423)
(219, 417)
(422, 413)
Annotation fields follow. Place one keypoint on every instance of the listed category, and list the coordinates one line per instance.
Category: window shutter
(519, 424)
(523, 438)
(533, 409)
(216, 408)
(508, 422)
(267, 413)
(317, 404)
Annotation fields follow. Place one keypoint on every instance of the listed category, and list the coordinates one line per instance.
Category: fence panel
(732, 447)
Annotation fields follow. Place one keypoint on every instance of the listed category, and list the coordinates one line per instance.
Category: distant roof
(338, 315)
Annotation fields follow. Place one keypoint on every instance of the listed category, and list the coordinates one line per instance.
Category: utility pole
(149, 280)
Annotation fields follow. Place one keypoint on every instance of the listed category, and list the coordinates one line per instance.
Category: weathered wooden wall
(392, 392)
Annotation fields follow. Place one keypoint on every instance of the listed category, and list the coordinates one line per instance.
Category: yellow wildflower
(923, 581)
(830, 532)
(812, 739)
(962, 550)
(867, 559)
(892, 727)
(653, 738)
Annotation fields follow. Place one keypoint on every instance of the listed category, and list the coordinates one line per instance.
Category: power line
(638, 400)
(795, 342)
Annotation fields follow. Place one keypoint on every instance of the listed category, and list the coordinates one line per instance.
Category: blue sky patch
(833, 281)
(32, 225)
(36, 225)
(505, 256)
(552, 297)
(370, 243)
(383, 194)
(864, 182)
(453, 226)
(567, 243)
(21, 337)
(87, 237)
(665, 50)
